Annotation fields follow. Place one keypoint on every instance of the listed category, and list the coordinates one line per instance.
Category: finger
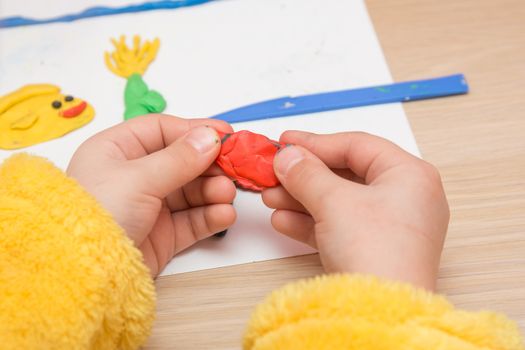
(309, 180)
(366, 155)
(279, 198)
(195, 224)
(148, 254)
(203, 191)
(159, 246)
(298, 226)
(153, 132)
(164, 171)
(213, 170)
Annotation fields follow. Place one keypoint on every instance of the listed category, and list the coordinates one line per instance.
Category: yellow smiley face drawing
(38, 113)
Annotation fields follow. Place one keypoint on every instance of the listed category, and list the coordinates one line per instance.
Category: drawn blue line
(397, 92)
(18, 21)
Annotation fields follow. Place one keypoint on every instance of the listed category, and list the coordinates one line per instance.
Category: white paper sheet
(212, 58)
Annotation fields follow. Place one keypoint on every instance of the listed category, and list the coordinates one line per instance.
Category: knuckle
(430, 180)
(423, 170)
(430, 172)
(207, 222)
(192, 226)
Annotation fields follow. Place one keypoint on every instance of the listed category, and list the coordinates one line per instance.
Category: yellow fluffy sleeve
(69, 277)
(357, 312)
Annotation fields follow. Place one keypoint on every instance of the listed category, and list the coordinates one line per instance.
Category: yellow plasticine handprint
(131, 63)
(125, 61)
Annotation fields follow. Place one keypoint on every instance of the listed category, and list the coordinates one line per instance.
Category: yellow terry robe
(71, 279)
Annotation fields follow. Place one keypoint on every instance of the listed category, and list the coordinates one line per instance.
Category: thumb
(307, 179)
(162, 172)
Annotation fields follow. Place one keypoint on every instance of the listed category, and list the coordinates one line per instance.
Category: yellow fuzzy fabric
(69, 277)
(356, 312)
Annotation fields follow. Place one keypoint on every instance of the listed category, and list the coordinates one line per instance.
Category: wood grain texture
(477, 141)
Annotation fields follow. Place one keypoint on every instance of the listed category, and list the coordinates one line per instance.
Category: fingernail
(287, 158)
(221, 234)
(283, 147)
(202, 138)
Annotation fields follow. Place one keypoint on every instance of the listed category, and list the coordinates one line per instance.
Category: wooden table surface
(477, 141)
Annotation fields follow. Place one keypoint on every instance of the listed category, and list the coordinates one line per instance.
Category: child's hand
(148, 173)
(384, 213)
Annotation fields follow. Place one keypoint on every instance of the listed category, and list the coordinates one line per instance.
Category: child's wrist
(417, 265)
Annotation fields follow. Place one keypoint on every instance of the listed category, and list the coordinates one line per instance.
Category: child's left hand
(153, 175)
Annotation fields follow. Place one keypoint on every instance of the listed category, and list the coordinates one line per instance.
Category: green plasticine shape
(139, 100)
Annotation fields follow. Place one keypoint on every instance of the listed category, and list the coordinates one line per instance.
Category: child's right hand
(153, 174)
(364, 203)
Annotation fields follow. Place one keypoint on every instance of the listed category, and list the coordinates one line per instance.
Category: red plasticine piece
(74, 111)
(248, 158)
